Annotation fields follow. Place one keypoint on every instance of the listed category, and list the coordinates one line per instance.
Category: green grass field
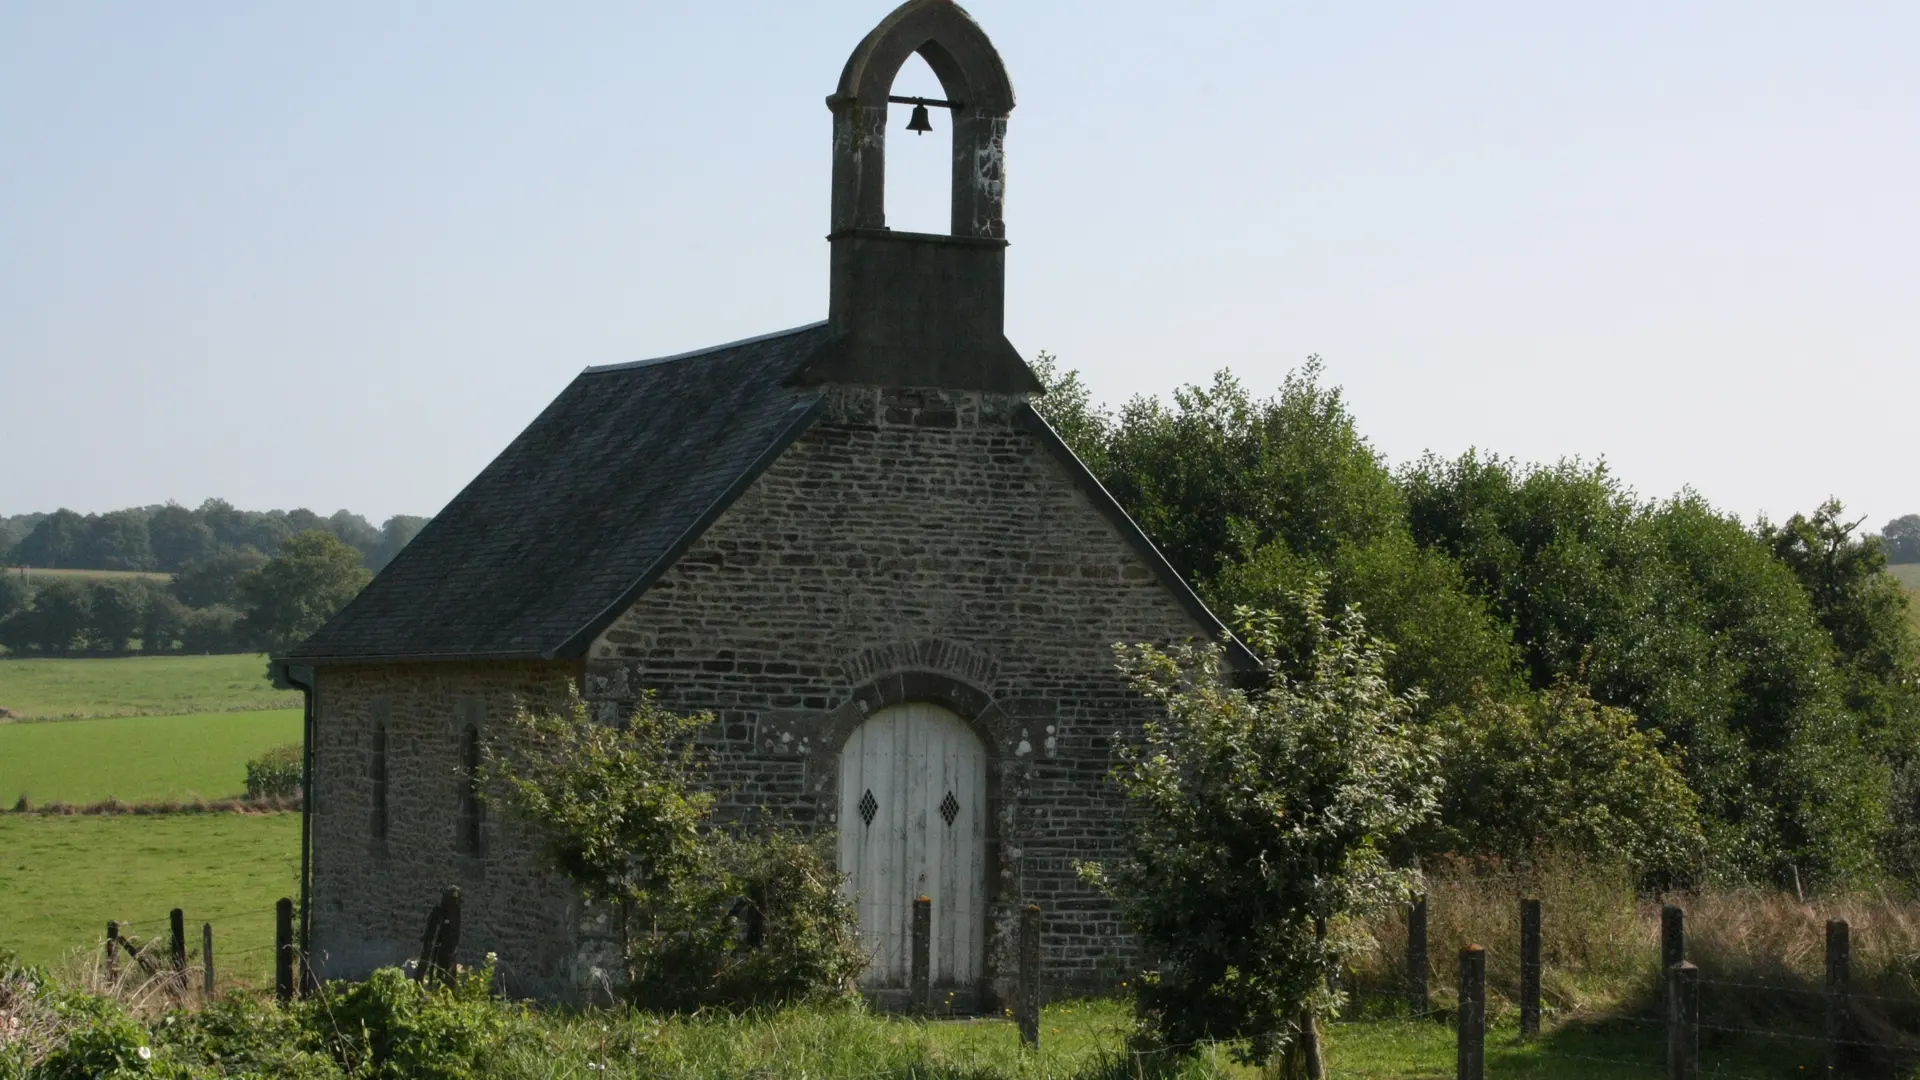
(139, 686)
(62, 878)
(138, 758)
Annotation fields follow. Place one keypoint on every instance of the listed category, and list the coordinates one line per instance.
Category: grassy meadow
(62, 878)
(36, 689)
(138, 758)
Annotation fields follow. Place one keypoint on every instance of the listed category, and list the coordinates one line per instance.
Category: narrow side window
(470, 810)
(379, 777)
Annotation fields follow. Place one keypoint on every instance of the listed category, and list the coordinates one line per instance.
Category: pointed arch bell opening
(980, 95)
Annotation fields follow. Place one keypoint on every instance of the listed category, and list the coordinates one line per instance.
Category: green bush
(392, 1028)
(771, 928)
(1260, 818)
(246, 1035)
(275, 773)
(704, 920)
(1563, 773)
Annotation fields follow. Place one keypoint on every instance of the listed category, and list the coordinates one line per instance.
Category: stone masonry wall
(371, 898)
(917, 545)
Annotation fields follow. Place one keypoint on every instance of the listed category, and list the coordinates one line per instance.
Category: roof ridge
(631, 364)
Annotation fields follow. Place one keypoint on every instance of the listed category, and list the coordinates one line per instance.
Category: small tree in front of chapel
(1260, 816)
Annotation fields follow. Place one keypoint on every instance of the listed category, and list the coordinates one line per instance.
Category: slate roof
(600, 495)
(585, 508)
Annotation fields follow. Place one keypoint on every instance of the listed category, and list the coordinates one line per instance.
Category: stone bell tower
(921, 309)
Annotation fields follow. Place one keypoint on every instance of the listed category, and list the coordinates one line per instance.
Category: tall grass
(1761, 952)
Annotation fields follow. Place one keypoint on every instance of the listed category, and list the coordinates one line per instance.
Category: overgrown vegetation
(276, 774)
(701, 919)
(1775, 667)
(1261, 817)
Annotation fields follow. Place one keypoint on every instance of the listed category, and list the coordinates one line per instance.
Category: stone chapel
(854, 542)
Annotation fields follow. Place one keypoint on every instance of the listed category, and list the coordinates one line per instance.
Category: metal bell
(920, 124)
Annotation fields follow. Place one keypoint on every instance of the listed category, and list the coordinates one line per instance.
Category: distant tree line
(226, 599)
(171, 538)
(1648, 681)
(1901, 538)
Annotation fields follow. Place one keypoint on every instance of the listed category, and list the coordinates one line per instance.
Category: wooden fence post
(1673, 940)
(206, 961)
(1839, 990)
(1530, 966)
(1673, 936)
(442, 939)
(1471, 1054)
(1029, 1003)
(113, 951)
(177, 949)
(1683, 1021)
(1417, 955)
(920, 979)
(283, 950)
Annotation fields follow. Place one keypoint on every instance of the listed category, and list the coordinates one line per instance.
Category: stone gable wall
(370, 899)
(916, 545)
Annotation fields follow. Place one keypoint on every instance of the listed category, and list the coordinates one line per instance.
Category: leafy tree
(1901, 539)
(216, 629)
(617, 806)
(622, 817)
(295, 592)
(1266, 498)
(1563, 773)
(119, 611)
(266, 532)
(216, 579)
(1445, 642)
(1068, 406)
(179, 538)
(1219, 473)
(19, 632)
(58, 542)
(1259, 818)
(15, 593)
(395, 533)
(1865, 610)
(165, 622)
(62, 614)
(117, 541)
(228, 524)
(355, 530)
(1683, 617)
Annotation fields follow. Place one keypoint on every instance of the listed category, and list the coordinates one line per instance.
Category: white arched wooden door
(913, 822)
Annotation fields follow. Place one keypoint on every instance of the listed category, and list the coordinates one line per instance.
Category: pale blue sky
(338, 255)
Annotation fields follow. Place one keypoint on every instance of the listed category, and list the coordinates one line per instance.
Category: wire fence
(1830, 1030)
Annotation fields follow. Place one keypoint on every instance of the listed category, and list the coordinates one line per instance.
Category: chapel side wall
(370, 899)
(927, 533)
